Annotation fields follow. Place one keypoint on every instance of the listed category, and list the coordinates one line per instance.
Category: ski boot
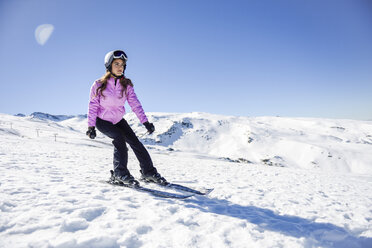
(125, 179)
(153, 178)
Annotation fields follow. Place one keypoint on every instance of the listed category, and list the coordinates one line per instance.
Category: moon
(43, 33)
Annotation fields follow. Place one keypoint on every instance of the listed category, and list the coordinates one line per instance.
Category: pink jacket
(110, 107)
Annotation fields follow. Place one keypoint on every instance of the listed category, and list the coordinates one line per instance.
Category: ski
(151, 191)
(190, 190)
(181, 187)
(154, 192)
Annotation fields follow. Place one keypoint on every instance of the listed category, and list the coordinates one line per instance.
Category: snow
(279, 182)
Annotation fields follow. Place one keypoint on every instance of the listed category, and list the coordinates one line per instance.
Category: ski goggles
(118, 54)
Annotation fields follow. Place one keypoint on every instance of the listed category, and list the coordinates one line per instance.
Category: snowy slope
(330, 145)
(279, 182)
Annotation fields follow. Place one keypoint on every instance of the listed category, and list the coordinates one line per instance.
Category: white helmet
(110, 56)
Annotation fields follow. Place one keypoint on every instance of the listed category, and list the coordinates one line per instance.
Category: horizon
(240, 58)
(182, 113)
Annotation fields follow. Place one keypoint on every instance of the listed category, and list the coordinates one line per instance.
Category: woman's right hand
(91, 132)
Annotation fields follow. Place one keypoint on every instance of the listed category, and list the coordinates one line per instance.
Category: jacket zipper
(104, 112)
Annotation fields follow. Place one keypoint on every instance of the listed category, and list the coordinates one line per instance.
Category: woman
(106, 110)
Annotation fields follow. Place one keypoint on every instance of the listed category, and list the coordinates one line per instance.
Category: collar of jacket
(113, 81)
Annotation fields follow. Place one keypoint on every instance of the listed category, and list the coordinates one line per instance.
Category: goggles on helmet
(120, 55)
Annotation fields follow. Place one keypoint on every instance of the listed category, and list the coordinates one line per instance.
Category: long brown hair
(103, 80)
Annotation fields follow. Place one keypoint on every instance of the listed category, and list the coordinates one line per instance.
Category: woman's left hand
(149, 126)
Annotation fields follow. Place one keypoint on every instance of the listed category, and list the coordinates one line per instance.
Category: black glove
(91, 132)
(149, 126)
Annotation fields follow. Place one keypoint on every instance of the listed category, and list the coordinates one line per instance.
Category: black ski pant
(122, 133)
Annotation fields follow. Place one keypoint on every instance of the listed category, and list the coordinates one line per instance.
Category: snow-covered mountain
(292, 182)
(45, 116)
(310, 143)
(332, 145)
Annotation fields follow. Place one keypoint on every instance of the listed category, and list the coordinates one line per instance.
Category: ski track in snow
(50, 196)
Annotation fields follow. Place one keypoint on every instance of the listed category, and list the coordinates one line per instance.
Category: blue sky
(246, 58)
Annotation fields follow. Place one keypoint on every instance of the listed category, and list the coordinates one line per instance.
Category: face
(117, 67)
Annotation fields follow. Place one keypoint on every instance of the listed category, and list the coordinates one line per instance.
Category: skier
(106, 110)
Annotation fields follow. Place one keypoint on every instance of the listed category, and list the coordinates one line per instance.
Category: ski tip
(184, 196)
(208, 191)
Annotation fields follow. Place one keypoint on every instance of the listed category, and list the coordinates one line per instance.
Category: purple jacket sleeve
(135, 104)
(94, 102)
